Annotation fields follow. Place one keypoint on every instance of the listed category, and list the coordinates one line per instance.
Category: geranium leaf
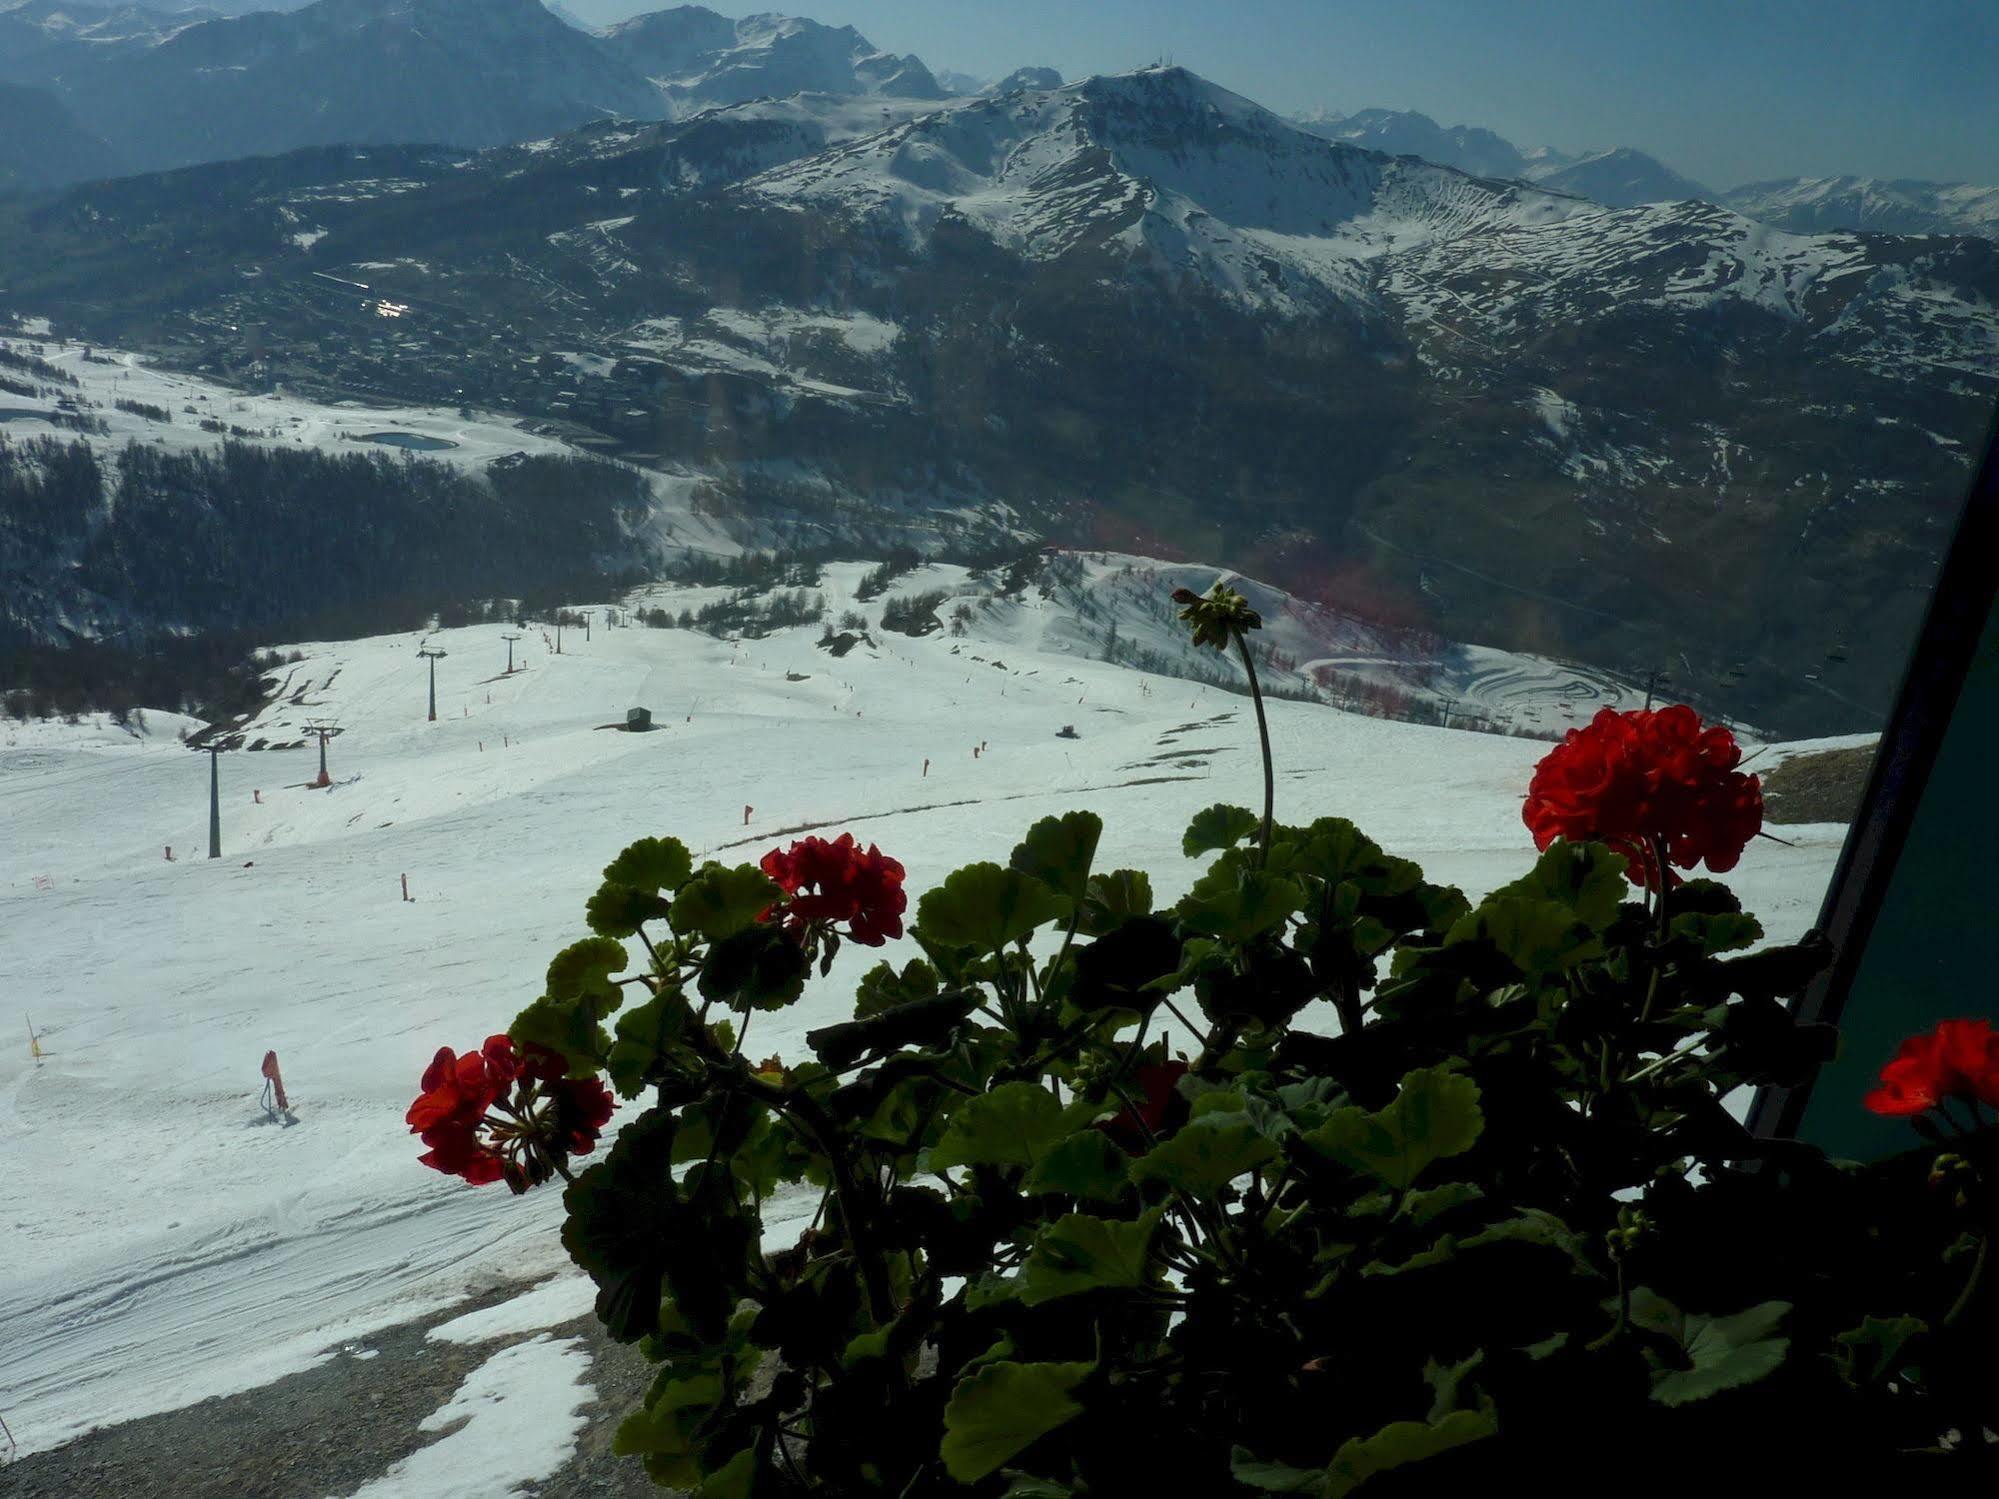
(569, 1029)
(925, 1022)
(1436, 1114)
(1058, 851)
(1400, 1442)
(1013, 1125)
(1719, 933)
(987, 908)
(1538, 936)
(1112, 971)
(1002, 1410)
(1726, 1352)
(651, 864)
(759, 967)
(1219, 826)
(1079, 1253)
(718, 902)
(1274, 1478)
(1236, 902)
(882, 988)
(582, 971)
(643, 1033)
(1206, 1155)
(1110, 899)
(620, 910)
(1086, 1165)
(1587, 879)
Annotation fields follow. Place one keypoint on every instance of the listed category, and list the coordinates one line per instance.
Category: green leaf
(1079, 1253)
(1206, 1155)
(926, 1022)
(571, 1030)
(1114, 898)
(1121, 969)
(1585, 879)
(1216, 827)
(1399, 1443)
(1331, 849)
(882, 988)
(582, 971)
(643, 1034)
(1538, 936)
(1873, 1351)
(1719, 933)
(1274, 1478)
(1086, 1165)
(651, 864)
(987, 908)
(617, 1225)
(1002, 1410)
(1058, 852)
(1726, 1352)
(1236, 902)
(620, 910)
(735, 1479)
(1435, 1115)
(717, 902)
(759, 967)
(1013, 1125)
(665, 1425)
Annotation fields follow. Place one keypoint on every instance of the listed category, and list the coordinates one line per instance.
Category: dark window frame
(1945, 647)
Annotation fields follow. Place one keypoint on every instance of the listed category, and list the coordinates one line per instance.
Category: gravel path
(328, 1431)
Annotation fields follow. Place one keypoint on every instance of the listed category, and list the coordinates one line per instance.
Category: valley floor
(161, 1245)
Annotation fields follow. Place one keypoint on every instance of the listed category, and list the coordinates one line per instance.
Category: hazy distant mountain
(42, 145)
(1404, 132)
(168, 87)
(1618, 178)
(1813, 205)
(698, 58)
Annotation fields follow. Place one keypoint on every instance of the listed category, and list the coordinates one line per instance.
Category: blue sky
(1725, 91)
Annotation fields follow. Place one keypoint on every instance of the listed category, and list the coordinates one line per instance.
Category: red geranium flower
(1134, 1128)
(833, 883)
(498, 1114)
(1635, 778)
(1959, 1059)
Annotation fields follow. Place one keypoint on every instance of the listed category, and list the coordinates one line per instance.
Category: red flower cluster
(837, 882)
(1134, 1128)
(1633, 777)
(1959, 1059)
(543, 1117)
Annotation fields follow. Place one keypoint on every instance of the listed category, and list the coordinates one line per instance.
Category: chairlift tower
(510, 639)
(433, 656)
(325, 731)
(214, 798)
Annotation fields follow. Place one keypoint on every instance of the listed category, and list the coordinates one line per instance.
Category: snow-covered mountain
(1618, 178)
(1163, 171)
(1139, 312)
(1815, 205)
(1405, 132)
(169, 87)
(697, 58)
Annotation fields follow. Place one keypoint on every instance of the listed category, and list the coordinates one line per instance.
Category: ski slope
(159, 1244)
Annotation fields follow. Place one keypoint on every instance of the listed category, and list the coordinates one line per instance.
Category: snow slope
(159, 1244)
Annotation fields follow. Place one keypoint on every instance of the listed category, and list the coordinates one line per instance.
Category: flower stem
(1263, 739)
(1963, 1301)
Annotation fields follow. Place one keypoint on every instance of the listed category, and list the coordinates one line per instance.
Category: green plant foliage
(1096, 1197)
(716, 902)
(1002, 1409)
(1434, 1116)
(1217, 827)
(987, 908)
(1058, 852)
(651, 865)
